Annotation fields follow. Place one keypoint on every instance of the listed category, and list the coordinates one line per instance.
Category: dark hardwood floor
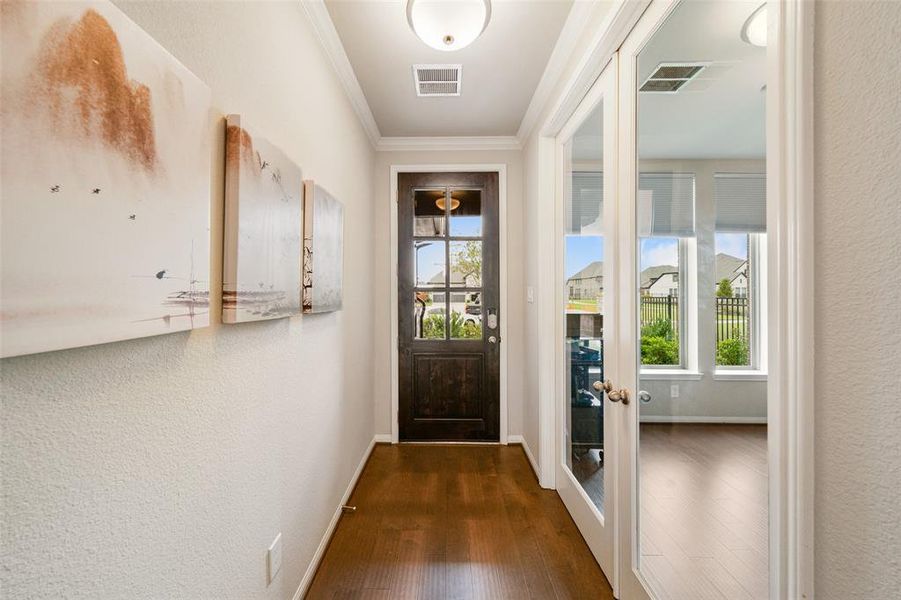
(456, 522)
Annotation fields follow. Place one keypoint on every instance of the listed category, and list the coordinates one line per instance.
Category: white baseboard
(518, 439)
(327, 536)
(382, 438)
(690, 419)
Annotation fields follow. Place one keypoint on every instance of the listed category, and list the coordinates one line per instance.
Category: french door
(587, 413)
(662, 453)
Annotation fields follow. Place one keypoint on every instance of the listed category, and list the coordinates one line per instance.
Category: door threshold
(447, 443)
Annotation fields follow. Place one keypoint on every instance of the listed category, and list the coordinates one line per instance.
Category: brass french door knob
(619, 396)
(607, 386)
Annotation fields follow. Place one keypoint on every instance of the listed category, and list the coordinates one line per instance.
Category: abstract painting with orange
(261, 267)
(105, 181)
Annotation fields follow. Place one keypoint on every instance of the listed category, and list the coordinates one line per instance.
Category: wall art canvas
(323, 250)
(261, 276)
(105, 181)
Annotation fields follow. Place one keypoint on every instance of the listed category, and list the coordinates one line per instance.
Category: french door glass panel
(585, 436)
(698, 435)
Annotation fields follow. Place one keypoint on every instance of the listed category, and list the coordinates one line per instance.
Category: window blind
(740, 202)
(666, 204)
(585, 208)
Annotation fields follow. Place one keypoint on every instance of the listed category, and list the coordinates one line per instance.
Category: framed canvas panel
(323, 250)
(105, 181)
(261, 276)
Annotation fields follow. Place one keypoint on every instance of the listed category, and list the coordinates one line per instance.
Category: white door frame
(501, 170)
(790, 263)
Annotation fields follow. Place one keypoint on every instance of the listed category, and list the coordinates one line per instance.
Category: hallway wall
(857, 215)
(164, 467)
(381, 298)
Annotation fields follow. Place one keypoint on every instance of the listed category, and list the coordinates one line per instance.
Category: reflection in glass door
(585, 432)
(694, 179)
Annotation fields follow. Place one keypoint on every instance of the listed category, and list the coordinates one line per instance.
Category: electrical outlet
(274, 557)
(530, 294)
(674, 390)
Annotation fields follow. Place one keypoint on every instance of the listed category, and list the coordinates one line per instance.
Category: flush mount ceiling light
(448, 24)
(754, 29)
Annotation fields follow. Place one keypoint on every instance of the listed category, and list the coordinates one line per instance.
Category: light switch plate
(274, 557)
(674, 390)
(530, 294)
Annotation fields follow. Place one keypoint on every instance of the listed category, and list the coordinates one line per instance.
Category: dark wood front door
(448, 307)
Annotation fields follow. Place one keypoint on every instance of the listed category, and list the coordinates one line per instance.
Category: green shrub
(657, 350)
(433, 327)
(661, 328)
(733, 352)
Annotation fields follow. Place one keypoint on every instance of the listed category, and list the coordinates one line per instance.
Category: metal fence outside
(733, 315)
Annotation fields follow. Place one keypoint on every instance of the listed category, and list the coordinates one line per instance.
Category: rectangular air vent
(669, 78)
(437, 80)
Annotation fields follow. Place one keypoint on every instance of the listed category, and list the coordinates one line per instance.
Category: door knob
(607, 386)
(644, 397)
(619, 396)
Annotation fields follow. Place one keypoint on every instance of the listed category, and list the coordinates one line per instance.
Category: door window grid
(438, 316)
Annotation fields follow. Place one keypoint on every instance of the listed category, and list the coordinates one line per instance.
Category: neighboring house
(735, 270)
(652, 274)
(665, 284)
(587, 284)
(458, 300)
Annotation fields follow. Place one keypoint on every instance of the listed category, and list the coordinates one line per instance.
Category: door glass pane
(466, 263)
(429, 315)
(466, 315)
(428, 210)
(466, 213)
(429, 258)
(702, 437)
(584, 311)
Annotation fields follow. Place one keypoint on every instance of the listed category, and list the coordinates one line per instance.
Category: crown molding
(573, 27)
(610, 35)
(423, 143)
(331, 43)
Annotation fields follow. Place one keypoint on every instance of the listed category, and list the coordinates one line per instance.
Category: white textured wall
(858, 308)
(538, 211)
(164, 467)
(381, 299)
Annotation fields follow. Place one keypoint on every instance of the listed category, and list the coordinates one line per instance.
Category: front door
(448, 301)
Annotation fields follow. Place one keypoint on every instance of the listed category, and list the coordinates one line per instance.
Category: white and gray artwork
(323, 250)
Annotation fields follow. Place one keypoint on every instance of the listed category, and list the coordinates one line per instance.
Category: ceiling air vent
(669, 78)
(437, 80)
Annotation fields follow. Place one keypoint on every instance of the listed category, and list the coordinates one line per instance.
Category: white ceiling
(721, 114)
(501, 69)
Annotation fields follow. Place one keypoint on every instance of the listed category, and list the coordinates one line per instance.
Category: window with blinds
(585, 209)
(666, 204)
(740, 202)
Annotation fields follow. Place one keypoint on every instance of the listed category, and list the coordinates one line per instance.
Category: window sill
(739, 375)
(664, 374)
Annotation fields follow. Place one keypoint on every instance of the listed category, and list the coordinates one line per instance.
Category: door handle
(644, 396)
(619, 396)
(606, 386)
